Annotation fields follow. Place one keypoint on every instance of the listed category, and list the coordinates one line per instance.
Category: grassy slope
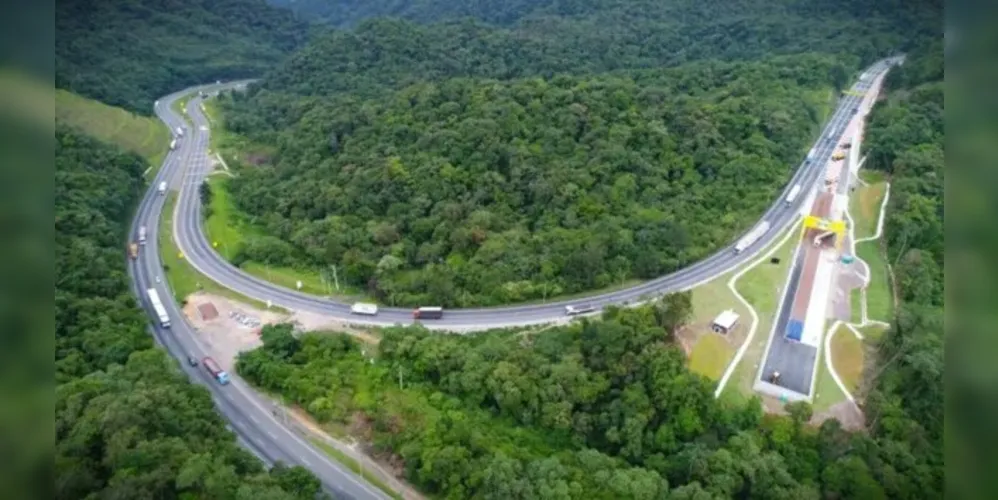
(847, 357)
(146, 136)
(183, 278)
(866, 211)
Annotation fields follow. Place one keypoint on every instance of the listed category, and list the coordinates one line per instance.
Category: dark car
(191, 360)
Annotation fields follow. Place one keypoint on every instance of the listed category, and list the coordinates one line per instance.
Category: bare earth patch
(845, 412)
(234, 330)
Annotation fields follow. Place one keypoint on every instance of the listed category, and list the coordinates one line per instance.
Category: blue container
(795, 329)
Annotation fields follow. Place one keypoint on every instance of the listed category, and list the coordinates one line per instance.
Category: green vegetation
(879, 297)
(143, 135)
(762, 287)
(904, 139)
(129, 53)
(873, 333)
(856, 305)
(865, 205)
(353, 465)
(481, 193)
(128, 423)
(826, 391)
(711, 355)
(847, 352)
(182, 277)
(596, 409)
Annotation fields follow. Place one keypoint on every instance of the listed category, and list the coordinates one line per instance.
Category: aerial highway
(251, 417)
(198, 249)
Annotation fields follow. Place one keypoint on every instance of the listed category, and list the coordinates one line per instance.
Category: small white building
(725, 321)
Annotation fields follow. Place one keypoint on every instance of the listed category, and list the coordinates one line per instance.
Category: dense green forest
(473, 192)
(581, 146)
(128, 423)
(602, 410)
(128, 53)
(905, 140)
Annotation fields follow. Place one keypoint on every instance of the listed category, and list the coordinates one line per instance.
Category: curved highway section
(251, 417)
(197, 249)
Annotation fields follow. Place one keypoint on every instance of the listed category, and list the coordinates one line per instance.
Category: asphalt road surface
(199, 252)
(794, 360)
(248, 415)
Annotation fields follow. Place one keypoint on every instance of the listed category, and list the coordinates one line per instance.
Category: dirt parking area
(235, 328)
(227, 327)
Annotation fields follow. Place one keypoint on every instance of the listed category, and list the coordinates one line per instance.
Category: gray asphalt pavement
(794, 360)
(197, 248)
(249, 416)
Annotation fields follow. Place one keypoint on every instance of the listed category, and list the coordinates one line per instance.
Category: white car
(365, 309)
(576, 310)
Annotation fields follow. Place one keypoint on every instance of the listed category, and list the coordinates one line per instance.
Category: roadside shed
(725, 321)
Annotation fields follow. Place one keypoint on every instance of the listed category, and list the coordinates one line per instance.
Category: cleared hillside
(146, 136)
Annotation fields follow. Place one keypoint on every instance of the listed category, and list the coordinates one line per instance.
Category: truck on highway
(428, 313)
(792, 195)
(162, 187)
(752, 236)
(157, 306)
(810, 156)
(216, 371)
(838, 155)
(173, 145)
(365, 309)
(142, 235)
(133, 250)
(180, 132)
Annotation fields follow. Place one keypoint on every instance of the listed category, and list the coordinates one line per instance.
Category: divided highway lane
(198, 251)
(249, 416)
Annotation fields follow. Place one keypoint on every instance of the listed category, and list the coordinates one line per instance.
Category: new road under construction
(790, 366)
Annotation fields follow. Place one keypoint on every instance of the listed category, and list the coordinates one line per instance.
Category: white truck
(792, 195)
(142, 235)
(752, 236)
(173, 145)
(157, 305)
(162, 187)
(180, 132)
(365, 309)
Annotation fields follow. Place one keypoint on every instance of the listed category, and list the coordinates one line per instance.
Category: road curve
(192, 240)
(249, 416)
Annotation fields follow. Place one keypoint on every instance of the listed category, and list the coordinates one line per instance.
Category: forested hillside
(127, 53)
(128, 424)
(483, 192)
(593, 410)
(905, 140)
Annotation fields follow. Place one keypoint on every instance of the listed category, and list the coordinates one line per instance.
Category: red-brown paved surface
(821, 207)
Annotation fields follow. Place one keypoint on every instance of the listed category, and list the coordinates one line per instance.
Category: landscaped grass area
(352, 464)
(223, 228)
(847, 353)
(864, 204)
(856, 306)
(879, 298)
(762, 287)
(144, 135)
(873, 333)
(711, 355)
(183, 278)
(826, 391)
